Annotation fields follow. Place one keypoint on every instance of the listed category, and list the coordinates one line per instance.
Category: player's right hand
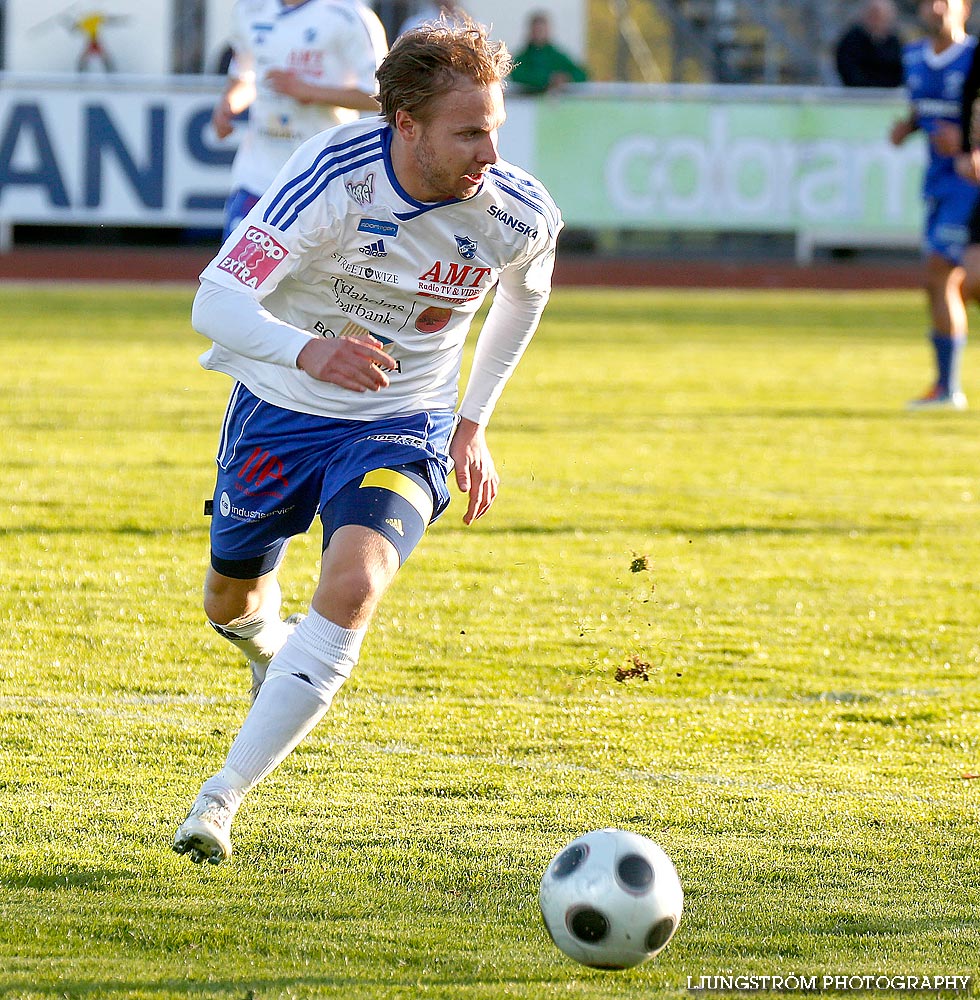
(968, 166)
(351, 362)
(221, 120)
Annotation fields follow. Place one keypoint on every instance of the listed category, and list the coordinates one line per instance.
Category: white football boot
(206, 832)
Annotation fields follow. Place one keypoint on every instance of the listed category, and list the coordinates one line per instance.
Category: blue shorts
(240, 202)
(947, 230)
(278, 468)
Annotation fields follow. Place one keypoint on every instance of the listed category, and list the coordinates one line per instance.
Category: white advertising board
(141, 152)
(64, 36)
(126, 152)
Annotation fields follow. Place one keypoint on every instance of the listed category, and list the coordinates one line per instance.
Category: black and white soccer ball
(611, 899)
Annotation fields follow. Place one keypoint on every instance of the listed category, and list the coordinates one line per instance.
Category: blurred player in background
(300, 66)
(341, 308)
(935, 69)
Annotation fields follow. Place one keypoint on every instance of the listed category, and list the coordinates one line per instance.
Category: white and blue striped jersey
(328, 43)
(337, 246)
(934, 82)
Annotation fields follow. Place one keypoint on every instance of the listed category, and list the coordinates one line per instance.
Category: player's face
(943, 18)
(449, 152)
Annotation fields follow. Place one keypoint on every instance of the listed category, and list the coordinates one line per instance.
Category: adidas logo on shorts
(375, 249)
(396, 523)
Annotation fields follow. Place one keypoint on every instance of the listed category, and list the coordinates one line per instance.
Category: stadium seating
(763, 41)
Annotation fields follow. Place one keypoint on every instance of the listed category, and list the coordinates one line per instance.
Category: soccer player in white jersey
(340, 307)
(299, 66)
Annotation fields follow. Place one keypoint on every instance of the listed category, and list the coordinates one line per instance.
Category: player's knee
(227, 602)
(351, 592)
(971, 280)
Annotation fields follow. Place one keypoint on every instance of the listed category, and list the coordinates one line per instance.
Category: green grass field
(724, 488)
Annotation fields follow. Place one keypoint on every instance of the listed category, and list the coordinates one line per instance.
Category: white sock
(302, 679)
(259, 637)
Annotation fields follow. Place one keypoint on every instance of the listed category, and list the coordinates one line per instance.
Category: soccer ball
(611, 899)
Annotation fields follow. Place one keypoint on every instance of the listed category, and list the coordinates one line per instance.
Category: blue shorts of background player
(278, 468)
(947, 223)
(240, 202)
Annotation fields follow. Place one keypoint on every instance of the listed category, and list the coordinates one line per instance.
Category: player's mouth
(476, 178)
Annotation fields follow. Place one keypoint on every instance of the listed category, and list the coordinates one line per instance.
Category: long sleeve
(518, 303)
(239, 322)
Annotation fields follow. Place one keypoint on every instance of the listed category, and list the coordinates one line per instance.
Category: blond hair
(425, 63)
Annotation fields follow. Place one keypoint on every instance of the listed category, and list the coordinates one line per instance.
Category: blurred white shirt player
(300, 66)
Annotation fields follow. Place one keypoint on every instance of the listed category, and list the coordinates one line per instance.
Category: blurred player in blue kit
(935, 69)
(340, 307)
(299, 66)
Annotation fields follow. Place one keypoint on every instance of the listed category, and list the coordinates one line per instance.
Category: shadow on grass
(103, 529)
(65, 876)
(377, 987)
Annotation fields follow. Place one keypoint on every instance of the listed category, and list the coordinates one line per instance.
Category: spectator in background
(541, 67)
(869, 53)
(300, 66)
(447, 10)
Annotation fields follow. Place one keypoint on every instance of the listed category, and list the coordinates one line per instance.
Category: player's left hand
(476, 474)
(900, 131)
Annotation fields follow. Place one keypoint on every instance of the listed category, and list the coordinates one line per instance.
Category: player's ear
(405, 125)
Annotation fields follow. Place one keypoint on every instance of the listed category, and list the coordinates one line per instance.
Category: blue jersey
(934, 82)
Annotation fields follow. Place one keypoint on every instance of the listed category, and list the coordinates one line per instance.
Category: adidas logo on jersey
(375, 249)
(396, 523)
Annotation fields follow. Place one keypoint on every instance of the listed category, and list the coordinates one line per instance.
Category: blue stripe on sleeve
(301, 189)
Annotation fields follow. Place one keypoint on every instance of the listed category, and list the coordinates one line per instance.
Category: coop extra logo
(254, 257)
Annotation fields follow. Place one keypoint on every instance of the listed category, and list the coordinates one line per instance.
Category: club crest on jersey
(362, 191)
(253, 258)
(465, 246)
